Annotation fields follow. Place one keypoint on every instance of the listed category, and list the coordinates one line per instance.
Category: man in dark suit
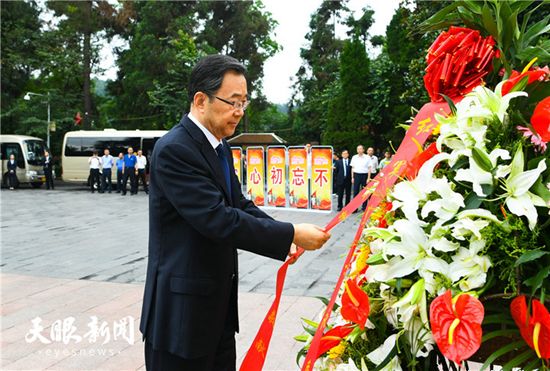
(342, 176)
(48, 166)
(198, 217)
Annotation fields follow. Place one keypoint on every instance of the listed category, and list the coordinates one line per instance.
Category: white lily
(419, 337)
(494, 101)
(471, 222)
(469, 267)
(477, 176)
(519, 200)
(445, 207)
(378, 355)
(411, 253)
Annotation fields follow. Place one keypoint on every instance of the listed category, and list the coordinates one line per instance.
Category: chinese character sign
(321, 178)
(237, 162)
(276, 176)
(255, 175)
(297, 178)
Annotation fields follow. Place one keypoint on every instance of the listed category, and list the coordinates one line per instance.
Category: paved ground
(62, 257)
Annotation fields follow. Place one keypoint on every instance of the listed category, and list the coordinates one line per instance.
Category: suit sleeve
(189, 187)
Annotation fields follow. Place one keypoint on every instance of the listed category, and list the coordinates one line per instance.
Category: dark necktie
(225, 167)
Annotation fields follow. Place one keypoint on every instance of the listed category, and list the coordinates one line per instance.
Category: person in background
(385, 161)
(141, 164)
(95, 164)
(342, 177)
(12, 172)
(372, 164)
(359, 170)
(48, 165)
(107, 163)
(129, 170)
(119, 172)
(335, 159)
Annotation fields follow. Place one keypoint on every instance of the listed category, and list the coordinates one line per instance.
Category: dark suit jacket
(48, 165)
(339, 172)
(12, 166)
(195, 227)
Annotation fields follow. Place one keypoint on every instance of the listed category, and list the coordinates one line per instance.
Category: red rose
(457, 62)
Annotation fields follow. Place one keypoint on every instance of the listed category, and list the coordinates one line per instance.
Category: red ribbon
(421, 128)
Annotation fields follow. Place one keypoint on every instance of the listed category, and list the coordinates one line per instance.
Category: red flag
(77, 119)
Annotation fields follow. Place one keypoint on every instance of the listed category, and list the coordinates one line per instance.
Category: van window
(35, 152)
(84, 146)
(15, 149)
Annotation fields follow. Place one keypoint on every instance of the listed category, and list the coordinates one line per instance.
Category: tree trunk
(87, 51)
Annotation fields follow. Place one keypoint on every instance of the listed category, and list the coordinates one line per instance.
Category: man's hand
(292, 253)
(309, 236)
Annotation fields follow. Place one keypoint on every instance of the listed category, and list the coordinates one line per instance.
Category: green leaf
(535, 282)
(494, 334)
(376, 259)
(541, 190)
(438, 17)
(529, 256)
(450, 103)
(489, 21)
(542, 52)
(301, 338)
(536, 364)
(482, 159)
(310, 322)
(521, 84)
(516, 361)
(537, 29)
(472, 201)
(323, 300)
(506, 349)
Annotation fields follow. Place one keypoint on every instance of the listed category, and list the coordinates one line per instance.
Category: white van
(29, 156)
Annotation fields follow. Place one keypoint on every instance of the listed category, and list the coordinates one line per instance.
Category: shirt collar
(214, 142)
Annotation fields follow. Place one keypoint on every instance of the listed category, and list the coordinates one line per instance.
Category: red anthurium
(456, 325)
(534, 329)
(355, 304)
(532, 76)
(541, 119)
(419, 160)
(332, 338)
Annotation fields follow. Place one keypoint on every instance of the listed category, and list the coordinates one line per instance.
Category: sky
(293, 17)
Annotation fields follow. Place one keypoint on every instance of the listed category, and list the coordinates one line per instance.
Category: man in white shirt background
(141, 165)
(372, 165)
(359, 170)
(107, 163)
(95, 164)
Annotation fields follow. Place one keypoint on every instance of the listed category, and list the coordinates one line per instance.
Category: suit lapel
(209, 154)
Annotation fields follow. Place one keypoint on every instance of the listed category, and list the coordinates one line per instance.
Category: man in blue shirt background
(119, 173)
(129, 171)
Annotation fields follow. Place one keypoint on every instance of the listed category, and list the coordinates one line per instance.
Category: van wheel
(36, 185)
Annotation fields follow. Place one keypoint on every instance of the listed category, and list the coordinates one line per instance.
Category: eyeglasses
(236, 105)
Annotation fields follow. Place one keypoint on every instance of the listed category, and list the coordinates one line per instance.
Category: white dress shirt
(214, 142)
(141, 161)
(360, 164)
(373, 164)
(94, 162)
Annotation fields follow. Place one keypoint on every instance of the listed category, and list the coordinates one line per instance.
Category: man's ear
(199, 100)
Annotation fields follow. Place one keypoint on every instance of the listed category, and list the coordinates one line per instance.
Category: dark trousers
(359, 182)
(106, 177)
(129, 173)
(49, 178)
(119, 179)
(224, 359)
(94, 179)
(12, 179)
(341, 189)
(143, 177)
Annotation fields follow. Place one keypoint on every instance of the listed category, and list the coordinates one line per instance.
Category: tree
(86, 19)
(319, 69)
(20, 34)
